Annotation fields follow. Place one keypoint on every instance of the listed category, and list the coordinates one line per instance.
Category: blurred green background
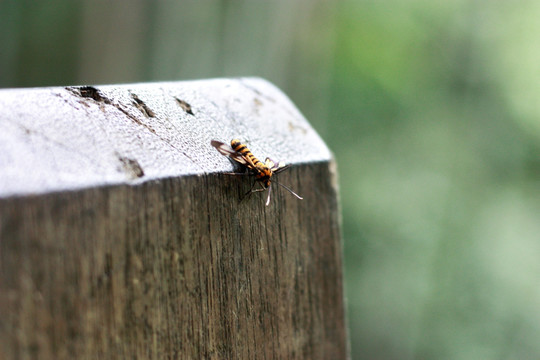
(432, 110)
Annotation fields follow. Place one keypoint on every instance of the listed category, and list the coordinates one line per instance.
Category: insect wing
(226, 150)
(276, 166)
(247, 160)
(271, 164)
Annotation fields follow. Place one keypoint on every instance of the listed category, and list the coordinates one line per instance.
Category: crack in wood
(139, 104)
(88, 92)
(184, 105)
(130, 166)
(98, 96)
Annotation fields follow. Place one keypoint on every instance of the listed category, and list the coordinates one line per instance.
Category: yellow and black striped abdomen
(262, 172)
(245, 152)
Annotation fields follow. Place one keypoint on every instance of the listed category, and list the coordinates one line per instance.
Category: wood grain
(173, 267)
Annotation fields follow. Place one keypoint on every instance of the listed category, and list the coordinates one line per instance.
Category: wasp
(263, 172)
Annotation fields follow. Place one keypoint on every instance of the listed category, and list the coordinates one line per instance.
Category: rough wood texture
(119, 238)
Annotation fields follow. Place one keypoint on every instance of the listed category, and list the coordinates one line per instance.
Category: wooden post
(120, 237)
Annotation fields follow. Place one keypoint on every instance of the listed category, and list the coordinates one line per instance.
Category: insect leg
(255, 190)
(269, 192)
(238, 174)
(251, 190)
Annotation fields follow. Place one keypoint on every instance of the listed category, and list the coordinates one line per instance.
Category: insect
(263, 172)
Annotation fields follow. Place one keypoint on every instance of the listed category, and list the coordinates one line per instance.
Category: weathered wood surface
(119, 238)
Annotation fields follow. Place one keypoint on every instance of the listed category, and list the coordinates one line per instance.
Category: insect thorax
(263, 174)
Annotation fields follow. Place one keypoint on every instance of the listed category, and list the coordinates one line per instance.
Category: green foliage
(439, 174)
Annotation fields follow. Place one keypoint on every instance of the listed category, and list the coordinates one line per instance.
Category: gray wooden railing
(121, 236)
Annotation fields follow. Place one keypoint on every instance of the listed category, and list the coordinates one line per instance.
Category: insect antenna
(286, 188)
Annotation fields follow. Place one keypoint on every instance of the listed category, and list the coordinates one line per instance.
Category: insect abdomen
(243, 149)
